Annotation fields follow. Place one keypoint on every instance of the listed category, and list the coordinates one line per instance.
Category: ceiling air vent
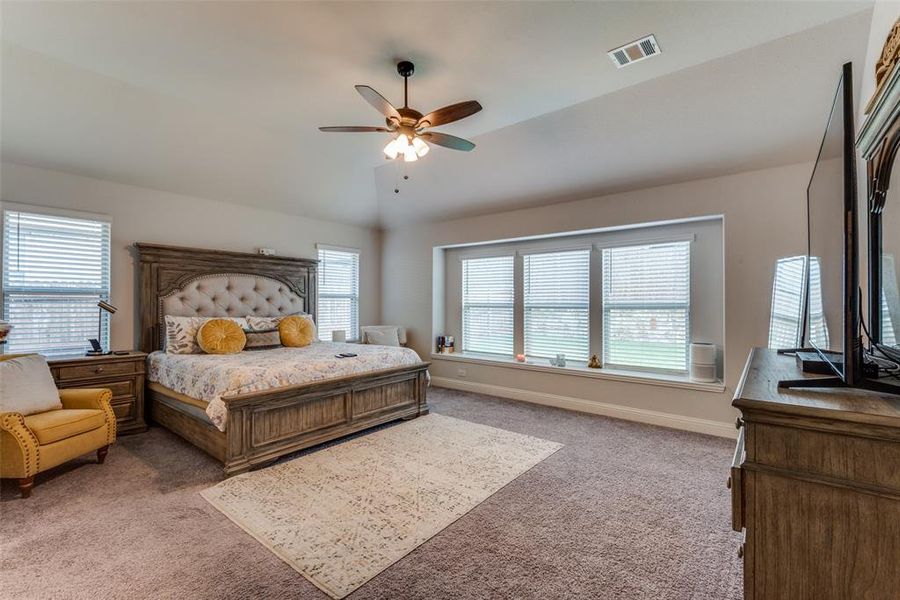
(634, 51)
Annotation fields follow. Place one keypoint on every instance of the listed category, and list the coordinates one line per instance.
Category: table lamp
(96, 348)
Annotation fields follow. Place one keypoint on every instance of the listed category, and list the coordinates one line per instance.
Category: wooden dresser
(123, 374)
(815, 487)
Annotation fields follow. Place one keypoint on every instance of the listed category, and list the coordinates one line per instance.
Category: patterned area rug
(343, 514)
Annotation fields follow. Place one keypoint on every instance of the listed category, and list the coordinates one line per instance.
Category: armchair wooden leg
(101, 454)
(25, 485)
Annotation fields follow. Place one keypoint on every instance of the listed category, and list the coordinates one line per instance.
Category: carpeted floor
(623, 511)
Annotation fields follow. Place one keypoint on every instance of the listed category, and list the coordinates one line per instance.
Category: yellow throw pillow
(296, 332)
(221, 336)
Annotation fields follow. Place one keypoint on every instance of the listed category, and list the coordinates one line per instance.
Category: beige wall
(144, 215)
(764, 219)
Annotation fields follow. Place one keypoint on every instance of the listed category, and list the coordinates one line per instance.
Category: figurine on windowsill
(594, 363)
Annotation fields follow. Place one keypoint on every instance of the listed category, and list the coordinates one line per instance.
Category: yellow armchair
(32, 444)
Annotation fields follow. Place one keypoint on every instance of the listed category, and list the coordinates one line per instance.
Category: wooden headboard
(167, 271)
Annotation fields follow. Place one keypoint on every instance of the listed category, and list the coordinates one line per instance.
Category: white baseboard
(716, 428)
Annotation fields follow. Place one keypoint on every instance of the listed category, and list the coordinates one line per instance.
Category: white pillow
(383, 337)
(26, 386)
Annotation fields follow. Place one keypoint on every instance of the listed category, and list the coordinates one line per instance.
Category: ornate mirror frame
(879, 140)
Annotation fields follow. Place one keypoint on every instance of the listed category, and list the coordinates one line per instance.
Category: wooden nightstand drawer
(124, 410)
(98, 369)
(119, 389)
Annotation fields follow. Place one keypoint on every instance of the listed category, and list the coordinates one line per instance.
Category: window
(557, 304)
(55, 270)
(487, 305)
(338, 283)
(646, 306)
(787, 303)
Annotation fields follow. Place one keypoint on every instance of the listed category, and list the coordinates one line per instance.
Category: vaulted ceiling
(222, 99)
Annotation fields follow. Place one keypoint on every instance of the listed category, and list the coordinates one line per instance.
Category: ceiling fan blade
(355, 129)
(379, 102)
(448, 141)
(449, 114)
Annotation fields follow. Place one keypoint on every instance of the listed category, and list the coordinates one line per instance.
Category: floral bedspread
(209, 377)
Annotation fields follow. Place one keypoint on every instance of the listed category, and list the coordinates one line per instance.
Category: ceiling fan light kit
(409, 127)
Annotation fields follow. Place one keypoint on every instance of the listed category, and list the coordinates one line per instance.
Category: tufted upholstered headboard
(215, 283)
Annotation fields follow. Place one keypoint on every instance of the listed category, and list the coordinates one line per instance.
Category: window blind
(646, 306)
(557, 303)
(487, 305)
(818, 325)
(888, 335)
(55, 270)
(788, 291)
(338, 282)
(890, 301)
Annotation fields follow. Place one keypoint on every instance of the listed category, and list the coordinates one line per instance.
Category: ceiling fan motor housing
(405, 68)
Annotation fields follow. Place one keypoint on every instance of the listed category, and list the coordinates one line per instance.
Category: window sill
(579, 370)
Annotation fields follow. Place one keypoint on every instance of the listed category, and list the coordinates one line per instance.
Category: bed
(247, 410)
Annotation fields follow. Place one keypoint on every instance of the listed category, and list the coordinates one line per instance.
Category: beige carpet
(342, 515)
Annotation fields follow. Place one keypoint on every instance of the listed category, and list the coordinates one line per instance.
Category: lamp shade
(107, 307)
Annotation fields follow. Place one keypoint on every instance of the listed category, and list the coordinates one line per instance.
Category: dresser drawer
(96, 370)
(736, 483)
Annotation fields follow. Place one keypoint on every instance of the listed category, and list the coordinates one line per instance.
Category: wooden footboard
(263, 426)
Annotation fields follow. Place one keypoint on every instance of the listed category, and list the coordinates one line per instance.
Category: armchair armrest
(18, 445)
(97, 398)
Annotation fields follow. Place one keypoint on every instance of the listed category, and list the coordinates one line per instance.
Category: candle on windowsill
(520, 358)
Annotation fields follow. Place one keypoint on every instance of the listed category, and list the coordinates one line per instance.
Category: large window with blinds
(556, 299)
(55, 270)
(647, 306)
(623, 301)
(487, 305)
(338, 283)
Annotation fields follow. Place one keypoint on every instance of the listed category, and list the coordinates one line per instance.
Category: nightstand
(123, 374)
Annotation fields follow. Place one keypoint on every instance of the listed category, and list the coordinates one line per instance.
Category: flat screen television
(832, 307)
(831, 322)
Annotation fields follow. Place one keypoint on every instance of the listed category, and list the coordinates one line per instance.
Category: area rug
(343, 514)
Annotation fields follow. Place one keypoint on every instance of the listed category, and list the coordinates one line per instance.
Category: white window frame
(353, 296)
(705, 276)
(586, 306)
(465, 343)
(686, 306)
(102, 291)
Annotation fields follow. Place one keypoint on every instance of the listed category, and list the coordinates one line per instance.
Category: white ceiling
(222, 100)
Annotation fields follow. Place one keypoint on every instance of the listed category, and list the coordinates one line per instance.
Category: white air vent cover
(634, 51)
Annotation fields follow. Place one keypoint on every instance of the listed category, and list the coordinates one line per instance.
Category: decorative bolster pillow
(262, 340)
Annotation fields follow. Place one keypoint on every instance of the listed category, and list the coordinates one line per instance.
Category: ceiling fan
(410, 127)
